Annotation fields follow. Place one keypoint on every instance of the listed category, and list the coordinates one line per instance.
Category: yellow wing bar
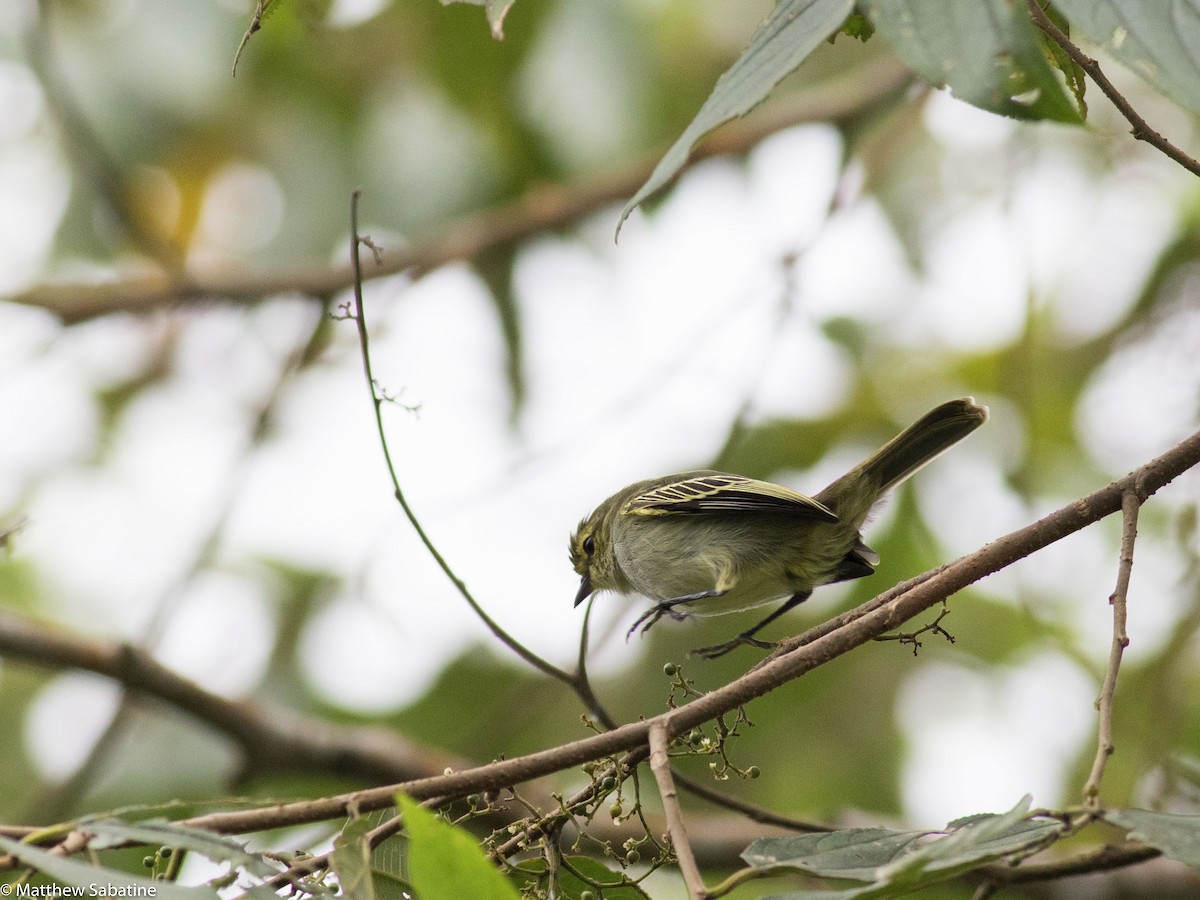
(717, 493)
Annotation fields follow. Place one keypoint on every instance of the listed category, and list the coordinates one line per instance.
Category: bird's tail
(916, 446)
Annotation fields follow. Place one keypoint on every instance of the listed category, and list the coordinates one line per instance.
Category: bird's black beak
(585, 590)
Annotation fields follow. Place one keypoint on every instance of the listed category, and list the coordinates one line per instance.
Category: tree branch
(275, 741)
(660, 738)
(1130, 505)
(1141, 128)
(541, 209)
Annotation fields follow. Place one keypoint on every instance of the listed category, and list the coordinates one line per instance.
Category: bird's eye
(589, 544)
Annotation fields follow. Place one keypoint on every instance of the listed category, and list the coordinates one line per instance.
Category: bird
(705, 542)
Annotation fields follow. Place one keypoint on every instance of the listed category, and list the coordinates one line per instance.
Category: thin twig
(1131, 503)
(377, 401)
(260, 11)
(750, 810)
(660, 764)
(578, 682)
(1141, 130)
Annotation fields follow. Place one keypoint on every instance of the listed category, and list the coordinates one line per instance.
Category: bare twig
(1093, 859)
(1131, 503)
(1140, 128)
(660, 764)
(360, 321)
(256, 20)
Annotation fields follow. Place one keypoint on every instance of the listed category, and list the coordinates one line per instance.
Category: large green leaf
(162, 832)
(1177, 836)
(855, 853)
(446, 863)
(90, 879)
(793, 30)
(893, 862)
(1160, 40)
(363, 873)
(987, 52)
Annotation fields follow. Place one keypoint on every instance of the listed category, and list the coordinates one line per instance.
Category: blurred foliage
(420, 107)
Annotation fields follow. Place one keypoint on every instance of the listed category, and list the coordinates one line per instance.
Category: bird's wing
(717, 493)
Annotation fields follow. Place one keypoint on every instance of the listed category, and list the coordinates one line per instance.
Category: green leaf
(855, 853)
(1073, 75)
(1160, 41)
(363, 873)
(1177, 836)
(987, 52)
(793, 30)
(163, 832)
(98, 881)
(894, 862)
(446, 863)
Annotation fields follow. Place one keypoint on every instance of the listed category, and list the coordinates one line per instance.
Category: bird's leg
(747, 636)
(667, 608)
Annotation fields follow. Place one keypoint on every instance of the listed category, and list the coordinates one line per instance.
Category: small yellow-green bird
(709, 543)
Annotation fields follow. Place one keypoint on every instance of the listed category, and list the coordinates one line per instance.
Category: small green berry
(632, 857)
(608, 785)
(586, 895)
(670, 670)
(753, 772)
(615, 810)
(148, 862)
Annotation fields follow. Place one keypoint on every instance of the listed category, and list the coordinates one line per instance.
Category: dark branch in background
(1141, 129)
(540, 210)
(275, 740)
(272, 741)
(86, 150)
(58, 800)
